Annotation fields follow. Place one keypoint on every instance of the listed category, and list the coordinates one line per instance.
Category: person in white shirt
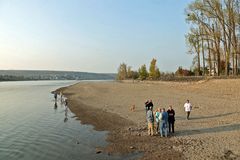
(188, 108)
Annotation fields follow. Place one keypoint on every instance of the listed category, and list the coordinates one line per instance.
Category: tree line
(153, 73)
(214, 36)
(126, 72)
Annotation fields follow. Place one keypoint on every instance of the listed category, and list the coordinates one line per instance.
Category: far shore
(213, 131)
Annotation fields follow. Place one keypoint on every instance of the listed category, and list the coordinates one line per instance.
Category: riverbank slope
(213, 131)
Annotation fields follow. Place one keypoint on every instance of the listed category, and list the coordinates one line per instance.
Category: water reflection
(66, 112)
(61, 98)
(55, 106)
(55, 96)
(63, 102)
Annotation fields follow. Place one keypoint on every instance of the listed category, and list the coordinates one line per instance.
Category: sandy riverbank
(213, 132)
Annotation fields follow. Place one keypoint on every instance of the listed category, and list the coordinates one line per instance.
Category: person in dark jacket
(150, 104)
(171, 119)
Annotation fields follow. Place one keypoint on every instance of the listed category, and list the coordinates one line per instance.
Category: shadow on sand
(225, 128)
(206, 117)
(214, 116)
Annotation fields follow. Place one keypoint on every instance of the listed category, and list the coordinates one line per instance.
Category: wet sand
(213, 131)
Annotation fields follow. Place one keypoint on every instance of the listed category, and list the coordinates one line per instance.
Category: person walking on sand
(163, 117)
(188, 108)
(171, 119)
(157, 119)
(150, 120)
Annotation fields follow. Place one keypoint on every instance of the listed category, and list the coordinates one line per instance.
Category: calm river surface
(32, 128)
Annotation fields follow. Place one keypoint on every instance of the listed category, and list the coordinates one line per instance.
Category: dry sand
(213, 131)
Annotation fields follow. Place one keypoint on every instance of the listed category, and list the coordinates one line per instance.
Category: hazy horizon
(92, 36)
(55, 70)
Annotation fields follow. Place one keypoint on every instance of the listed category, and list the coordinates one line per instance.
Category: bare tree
(218, 22)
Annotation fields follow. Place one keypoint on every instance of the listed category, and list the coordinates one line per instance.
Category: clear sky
(92, 35)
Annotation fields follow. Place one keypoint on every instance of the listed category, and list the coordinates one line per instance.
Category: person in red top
(171, 119)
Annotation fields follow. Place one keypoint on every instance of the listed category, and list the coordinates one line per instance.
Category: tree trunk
(236, 64)
(235, 44)
(198, 57)
(226, 48)
(214, 60)
(217, 47)
(209, 57)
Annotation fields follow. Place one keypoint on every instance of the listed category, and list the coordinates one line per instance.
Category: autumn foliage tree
(129, 72)
(158, 74)
(154, 72)
(143, 73)
(122, 72)
(183, 72)
(126, 72)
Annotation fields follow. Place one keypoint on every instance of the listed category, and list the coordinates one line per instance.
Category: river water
(32, 127)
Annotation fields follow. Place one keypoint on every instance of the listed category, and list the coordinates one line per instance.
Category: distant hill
(18, 75)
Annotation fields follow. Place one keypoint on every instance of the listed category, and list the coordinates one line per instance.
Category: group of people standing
(164, 119)
(63, 99)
